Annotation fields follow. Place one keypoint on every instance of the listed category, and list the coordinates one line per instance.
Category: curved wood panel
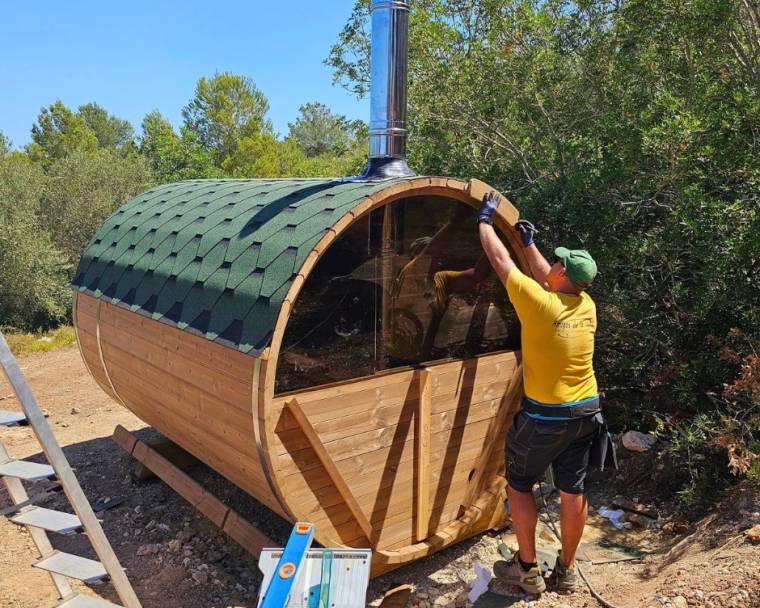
(196, 392)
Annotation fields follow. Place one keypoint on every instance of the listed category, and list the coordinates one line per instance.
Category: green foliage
(318, 131)
(174, 157)
(59, 132)
(82, 190)
(111, 132)
(225, 110)
(33, 273)
(25, 343)
(5, 145)
(630, 129)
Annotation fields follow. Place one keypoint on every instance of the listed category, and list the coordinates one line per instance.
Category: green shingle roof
(215, 257)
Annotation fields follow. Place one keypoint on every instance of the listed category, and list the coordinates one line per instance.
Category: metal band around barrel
(255, 403)
(100, 355)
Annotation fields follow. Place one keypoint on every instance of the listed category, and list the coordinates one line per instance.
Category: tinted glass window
(406, 285)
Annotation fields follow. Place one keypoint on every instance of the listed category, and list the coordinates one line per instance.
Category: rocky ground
(175, 558)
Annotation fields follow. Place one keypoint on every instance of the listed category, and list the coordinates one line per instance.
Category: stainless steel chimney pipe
(388, 63)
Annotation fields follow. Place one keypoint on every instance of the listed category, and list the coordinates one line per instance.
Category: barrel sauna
(336, 348)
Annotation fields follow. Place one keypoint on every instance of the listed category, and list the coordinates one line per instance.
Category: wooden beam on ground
(227, 520)
(422, 461)
(178, 456)
(327, 462)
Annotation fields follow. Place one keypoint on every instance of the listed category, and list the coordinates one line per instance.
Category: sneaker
(512, 573)
(564, 579)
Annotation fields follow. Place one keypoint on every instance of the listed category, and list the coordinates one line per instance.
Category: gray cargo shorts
(533, 445)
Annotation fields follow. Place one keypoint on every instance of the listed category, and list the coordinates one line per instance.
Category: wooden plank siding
(195, 392)
(368, 429)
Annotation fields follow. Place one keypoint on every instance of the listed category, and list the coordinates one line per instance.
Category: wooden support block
(124, 439)
(398, 597)
(332, 471)
(422, 449)
(229, 521)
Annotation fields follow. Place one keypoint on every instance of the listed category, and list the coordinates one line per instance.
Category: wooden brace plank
(422, 430)
(229, 521)
(329, 465)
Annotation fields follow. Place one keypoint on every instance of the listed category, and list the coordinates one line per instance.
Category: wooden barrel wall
(419, 450)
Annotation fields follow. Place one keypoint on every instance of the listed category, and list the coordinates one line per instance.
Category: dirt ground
(176, 559)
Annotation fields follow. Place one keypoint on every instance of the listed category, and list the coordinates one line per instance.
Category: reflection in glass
(405, 285)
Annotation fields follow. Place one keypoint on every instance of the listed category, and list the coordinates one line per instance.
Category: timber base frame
(223, 517)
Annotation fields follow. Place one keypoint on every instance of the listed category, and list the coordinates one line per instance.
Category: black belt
(565, 411)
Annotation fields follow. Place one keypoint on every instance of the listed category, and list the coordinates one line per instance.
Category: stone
(753, 534)
(679, 601)
(150, 525)
(175, 546)
(214, 556)
(200, 577)
(638, 442)
(639, 521)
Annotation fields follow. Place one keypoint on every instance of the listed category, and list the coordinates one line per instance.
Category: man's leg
(572, 519)
(522, 506)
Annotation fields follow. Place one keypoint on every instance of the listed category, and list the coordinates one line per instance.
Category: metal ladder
(39, 521)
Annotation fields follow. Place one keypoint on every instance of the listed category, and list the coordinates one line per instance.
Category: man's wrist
(485, 219)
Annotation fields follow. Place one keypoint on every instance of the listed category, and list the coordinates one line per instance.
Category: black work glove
(527, 232)
(488, 208)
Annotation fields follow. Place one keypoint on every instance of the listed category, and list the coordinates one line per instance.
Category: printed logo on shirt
(573, 327)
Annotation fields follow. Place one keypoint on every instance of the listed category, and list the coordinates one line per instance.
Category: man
(560, 418)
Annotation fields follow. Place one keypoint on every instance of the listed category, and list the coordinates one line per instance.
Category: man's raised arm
(494, 249)
(538, 264)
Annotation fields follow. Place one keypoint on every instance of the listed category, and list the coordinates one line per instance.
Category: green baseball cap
(579, 265)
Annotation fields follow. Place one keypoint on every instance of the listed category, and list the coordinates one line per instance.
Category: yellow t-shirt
(557, 341)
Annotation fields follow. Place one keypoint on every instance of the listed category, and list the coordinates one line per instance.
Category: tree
(226, 109)
(110, 131)
(318, 131)
(5, 145)
(59, 132)
(174, 157)
(33, 273)
(82, 190)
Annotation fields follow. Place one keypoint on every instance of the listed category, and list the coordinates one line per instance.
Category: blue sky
(136, 56)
